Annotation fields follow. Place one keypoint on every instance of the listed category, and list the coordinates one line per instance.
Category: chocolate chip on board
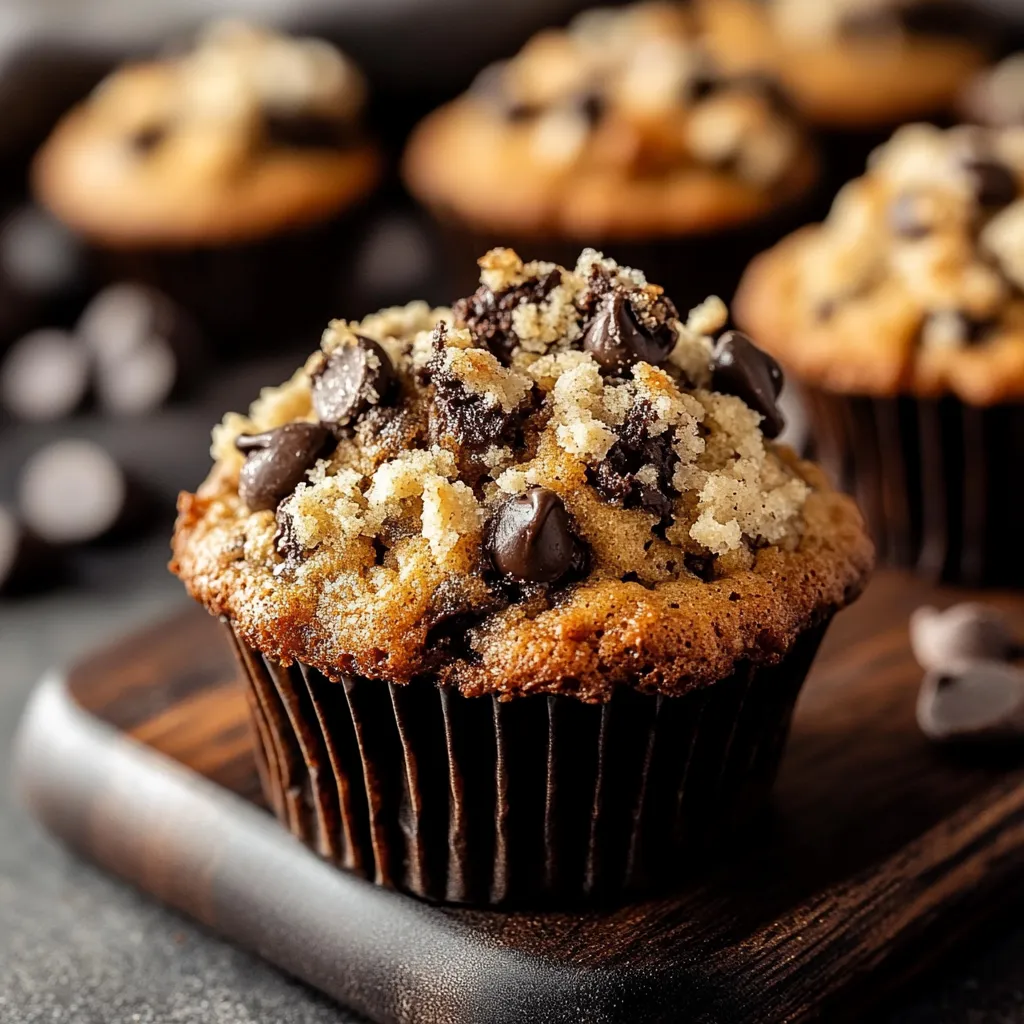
(993, 183)
(277, 461)
(74, 492)
(979, 700)
(740, 368)
(145, 347)
(44, 376)
(617, 339)
(965, 632)
(530, 538)
(350, 380)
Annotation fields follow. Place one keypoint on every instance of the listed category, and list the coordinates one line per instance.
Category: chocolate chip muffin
(856, 69)
(903, 315)
(523, 590)
(623, 130)
(852, 63)
(221, 175)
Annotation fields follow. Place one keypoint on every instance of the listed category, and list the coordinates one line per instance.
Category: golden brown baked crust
(912, 284)
(183, 151)
(840, 79)
(700, 543)
(619, 127)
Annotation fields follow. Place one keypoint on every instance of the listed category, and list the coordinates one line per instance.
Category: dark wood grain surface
(882, 851)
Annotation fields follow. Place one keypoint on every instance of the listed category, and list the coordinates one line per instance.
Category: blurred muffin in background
(620, 131)
(995, 96)
(851, 63)
(855, 68)
(903, 315)
(226, 175)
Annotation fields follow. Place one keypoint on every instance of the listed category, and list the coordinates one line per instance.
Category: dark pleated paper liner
(938, 481)
(689, 267)
(264, 295)
(537, 801)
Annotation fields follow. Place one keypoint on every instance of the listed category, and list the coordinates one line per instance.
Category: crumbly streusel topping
(915, 277)
(434, 484)
(634, 87)
(241, 89)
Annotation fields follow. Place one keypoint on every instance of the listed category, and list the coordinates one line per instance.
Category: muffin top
(913, 282)
(851, 63)
(995, 96)
(621, 125)
(248, 133)
(557, 486)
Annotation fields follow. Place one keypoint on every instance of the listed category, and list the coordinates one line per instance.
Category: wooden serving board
(881, 853)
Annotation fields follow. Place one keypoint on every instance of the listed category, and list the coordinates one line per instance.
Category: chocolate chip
(145, 140)
(591, 106)
(40, 256)
(278, 460)
(530, 538)
(965, 632)
(765, 85)
(945, 327)
(992, 182)
(740, 368)
(44, 376)
(351, 379)
(617, 340)
(488, 315)
(295, 130)
(489, 85)
(906, 217)
(74, 492)
(615, 478)
(974, 701)
(146, 347)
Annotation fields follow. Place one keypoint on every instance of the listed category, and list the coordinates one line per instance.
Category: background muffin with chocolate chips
(538, 551)
(855, 68)
(619, 130)
(226, 175)
(903, 315)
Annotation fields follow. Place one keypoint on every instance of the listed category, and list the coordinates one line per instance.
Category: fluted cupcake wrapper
(689, 267)
(937, 480)
(260, 294)
(540, 800)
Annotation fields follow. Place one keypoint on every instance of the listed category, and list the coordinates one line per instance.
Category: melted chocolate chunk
(906, 217)
(145, 140)
(993, 183)
(617, 339)
(277, 461)
(307, 131)
(489, 85)
(530, 538)
(615, 477)
(591, 106)
(964, 328)
(351, 380)
(740, 368)
(488, 316)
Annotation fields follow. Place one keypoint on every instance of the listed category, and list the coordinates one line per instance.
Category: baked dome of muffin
(851, 63)
(913, 282)
(248, 133)
(620, 125)
(558, 486)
